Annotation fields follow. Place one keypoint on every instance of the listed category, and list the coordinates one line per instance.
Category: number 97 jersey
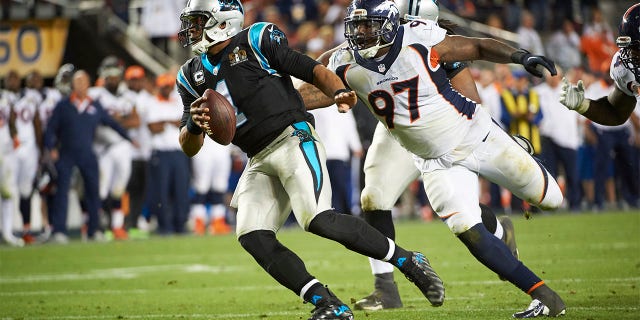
(408, 91)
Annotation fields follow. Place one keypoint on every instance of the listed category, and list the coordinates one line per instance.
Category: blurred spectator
(8, 138)
(69, 141)
(489, 91)
(521, 111)
(560, 137)
(160, 22)
(210, 170)
(597, 42)
(169, 166)
(564, 46)
(538, 9)
(528, 37)
(297, 12)
(136, 81)
(339, 134)
(613, 150)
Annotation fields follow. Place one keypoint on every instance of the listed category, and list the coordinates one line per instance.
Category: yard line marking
(287, 313)
(120, 273)
(269, 287)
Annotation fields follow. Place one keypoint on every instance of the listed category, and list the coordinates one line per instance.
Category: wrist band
(192, 127)
(339, 91)
(583, 107)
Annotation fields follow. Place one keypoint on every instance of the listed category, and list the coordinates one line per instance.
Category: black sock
(495, 255)
(382, 220)
(317, 293)
(400, 257)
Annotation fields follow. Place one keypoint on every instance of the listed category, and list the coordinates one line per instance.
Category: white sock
(218, 211)
(117, 219)
(7, 218)
(198, 211)
(378, 266)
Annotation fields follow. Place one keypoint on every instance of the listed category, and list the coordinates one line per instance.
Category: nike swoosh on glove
(573, 96)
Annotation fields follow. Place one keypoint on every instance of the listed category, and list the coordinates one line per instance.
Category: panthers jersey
(253, 73)
(409, 92)
(623, 77)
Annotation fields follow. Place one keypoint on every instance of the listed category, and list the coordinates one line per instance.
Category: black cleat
(331, 308)
(420, 272)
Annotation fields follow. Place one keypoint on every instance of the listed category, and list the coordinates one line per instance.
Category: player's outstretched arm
(331, 85)
(611, 110)
(460, 48)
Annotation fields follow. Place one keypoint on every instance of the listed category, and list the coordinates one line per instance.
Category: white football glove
(573, 96)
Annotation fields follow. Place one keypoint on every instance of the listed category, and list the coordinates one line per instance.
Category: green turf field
(592, 260)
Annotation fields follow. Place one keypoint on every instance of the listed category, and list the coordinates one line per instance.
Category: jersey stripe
(255, 38)
(207, 64)
(460, 102)
(182, 80)
(311, 155)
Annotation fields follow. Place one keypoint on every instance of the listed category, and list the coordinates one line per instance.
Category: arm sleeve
(275, 47)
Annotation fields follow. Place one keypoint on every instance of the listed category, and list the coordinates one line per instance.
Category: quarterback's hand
(345, 100)
(573, 96)
(199, 117)
(532, 61)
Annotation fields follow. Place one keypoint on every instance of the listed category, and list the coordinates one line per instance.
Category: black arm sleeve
(282, 58)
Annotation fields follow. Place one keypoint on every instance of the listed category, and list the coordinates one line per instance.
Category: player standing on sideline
(389, 169)
(8, 144)
(29, 131)
(114, 151)
(395, 70)
(616, 108)
(210, 170)
(286, 169)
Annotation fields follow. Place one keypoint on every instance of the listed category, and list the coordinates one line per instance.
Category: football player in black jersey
(286, 169)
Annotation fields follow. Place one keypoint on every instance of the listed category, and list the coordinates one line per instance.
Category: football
(221, 126)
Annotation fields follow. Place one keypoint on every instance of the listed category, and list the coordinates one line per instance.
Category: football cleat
(378, 300)
(537, 309)
(331, 309)
(425, 278)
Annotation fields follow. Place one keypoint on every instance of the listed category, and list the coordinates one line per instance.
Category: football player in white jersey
(395, 70)
(8, 139)
(617, 107)
(27, 154)
(115, 152)
(211, 168)
(389, 169)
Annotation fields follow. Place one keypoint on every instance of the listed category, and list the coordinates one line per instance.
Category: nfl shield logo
(382, 68)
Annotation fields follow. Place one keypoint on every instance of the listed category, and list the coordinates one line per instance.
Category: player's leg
(201, 176)
(7, 193)
(121, 176)
(388, 170)
(27, 168)
(90, 173)
(300, 164)
(262, 208)
(221, 169)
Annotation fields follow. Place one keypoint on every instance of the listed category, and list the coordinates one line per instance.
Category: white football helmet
(208, 22)
(418, 9)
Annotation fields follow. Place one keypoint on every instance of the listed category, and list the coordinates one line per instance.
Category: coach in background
(69, 141)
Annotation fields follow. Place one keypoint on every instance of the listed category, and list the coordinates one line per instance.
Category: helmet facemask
(630, 54)
(369, 34)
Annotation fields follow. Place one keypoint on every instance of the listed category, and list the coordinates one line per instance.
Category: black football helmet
(371, 25)
(629, 40)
